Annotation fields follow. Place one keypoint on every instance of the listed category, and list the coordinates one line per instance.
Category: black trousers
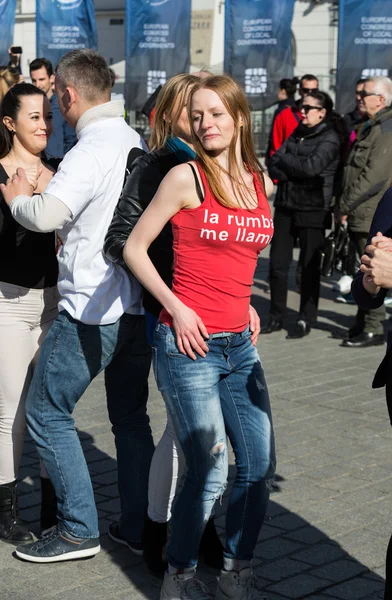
(311, 241)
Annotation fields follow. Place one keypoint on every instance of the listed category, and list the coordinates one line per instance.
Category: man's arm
(41, 213)
(73, 185)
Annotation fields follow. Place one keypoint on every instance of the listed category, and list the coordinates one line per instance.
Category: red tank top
(215, 256)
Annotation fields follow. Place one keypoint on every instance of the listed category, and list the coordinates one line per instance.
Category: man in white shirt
(100, 323)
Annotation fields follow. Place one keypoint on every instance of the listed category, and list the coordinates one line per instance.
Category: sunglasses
(364, 94)
(308, 90)
(307, 107)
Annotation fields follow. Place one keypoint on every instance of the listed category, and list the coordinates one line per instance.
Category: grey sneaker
(184, 586)
(57, 545)
(239, 585)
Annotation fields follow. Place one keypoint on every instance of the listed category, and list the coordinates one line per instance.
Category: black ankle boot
(48, 504)
(211, 547)
(154, 542)
(12, 529)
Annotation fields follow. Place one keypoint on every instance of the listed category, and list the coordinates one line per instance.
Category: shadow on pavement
(294, 559)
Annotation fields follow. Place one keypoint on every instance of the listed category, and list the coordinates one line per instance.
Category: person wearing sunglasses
(288, 119)
(305, 167)
(367, 176)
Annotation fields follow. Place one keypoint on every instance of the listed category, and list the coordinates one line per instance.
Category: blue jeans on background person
(72, 354)
(224, 393)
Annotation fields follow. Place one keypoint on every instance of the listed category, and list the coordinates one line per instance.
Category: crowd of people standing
(115, 254)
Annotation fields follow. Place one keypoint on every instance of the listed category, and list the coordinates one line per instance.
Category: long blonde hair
(236, 104)
(175, 90)
(8, 78)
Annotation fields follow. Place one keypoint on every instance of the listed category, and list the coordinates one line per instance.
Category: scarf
(183, 152)
(108, 110)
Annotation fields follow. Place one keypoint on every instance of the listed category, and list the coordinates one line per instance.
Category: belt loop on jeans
(223, 334)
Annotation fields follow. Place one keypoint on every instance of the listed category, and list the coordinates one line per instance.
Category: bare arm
(176, 192)
(269, 186)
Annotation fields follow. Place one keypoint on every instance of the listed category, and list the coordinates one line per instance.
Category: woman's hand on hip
(190, 332)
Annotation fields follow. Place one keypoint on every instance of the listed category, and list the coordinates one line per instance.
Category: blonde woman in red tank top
(205, 360)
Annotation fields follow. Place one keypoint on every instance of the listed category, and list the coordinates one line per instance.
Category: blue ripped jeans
(222, 394)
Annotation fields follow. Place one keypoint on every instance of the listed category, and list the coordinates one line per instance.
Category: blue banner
(157, 46)
(7, 22)
(258, 46)
(64, 25)
(364, 46)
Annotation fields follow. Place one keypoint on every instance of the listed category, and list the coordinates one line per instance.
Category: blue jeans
(71, 356)
(224, 393)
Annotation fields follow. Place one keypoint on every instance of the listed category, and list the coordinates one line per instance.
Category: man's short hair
(87, 71)
(360, 81)
(308, 77)
(38, 63)
(383, 86)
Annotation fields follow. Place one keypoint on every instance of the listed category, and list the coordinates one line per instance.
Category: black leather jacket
(146, 173)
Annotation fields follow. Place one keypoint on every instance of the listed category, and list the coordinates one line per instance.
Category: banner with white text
(64, 25)
(258, 46)
(7, 22)
(157, 46)
(364, 46)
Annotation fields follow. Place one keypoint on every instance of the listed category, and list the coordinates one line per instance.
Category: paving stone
(281, 569)
(298, 586)
(307, 535)
(339, 570)
(356, 589)
(275, 548)
(320, 554)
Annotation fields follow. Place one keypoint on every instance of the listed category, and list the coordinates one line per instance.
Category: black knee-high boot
(12, 529)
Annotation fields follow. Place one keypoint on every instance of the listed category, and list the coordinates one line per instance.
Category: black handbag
(334, 251)
(328, 255)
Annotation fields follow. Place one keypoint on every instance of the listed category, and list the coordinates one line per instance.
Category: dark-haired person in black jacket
(305, 167)
(170, 145)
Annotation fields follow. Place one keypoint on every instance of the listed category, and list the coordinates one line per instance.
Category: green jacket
(368, 171)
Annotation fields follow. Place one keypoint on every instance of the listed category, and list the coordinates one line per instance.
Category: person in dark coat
(305, 167)
(367, 175)
(369, 290)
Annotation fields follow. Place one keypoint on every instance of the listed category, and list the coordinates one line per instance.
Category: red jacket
(283, 126)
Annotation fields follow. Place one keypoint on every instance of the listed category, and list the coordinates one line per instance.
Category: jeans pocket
(9, 293)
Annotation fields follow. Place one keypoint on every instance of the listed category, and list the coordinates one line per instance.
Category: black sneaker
(57, 545)
(115, 535)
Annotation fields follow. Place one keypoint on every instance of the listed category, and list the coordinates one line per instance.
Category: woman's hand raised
(33, 174)
(190, 332)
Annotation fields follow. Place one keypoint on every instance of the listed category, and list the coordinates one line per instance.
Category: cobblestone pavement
(329, 518)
